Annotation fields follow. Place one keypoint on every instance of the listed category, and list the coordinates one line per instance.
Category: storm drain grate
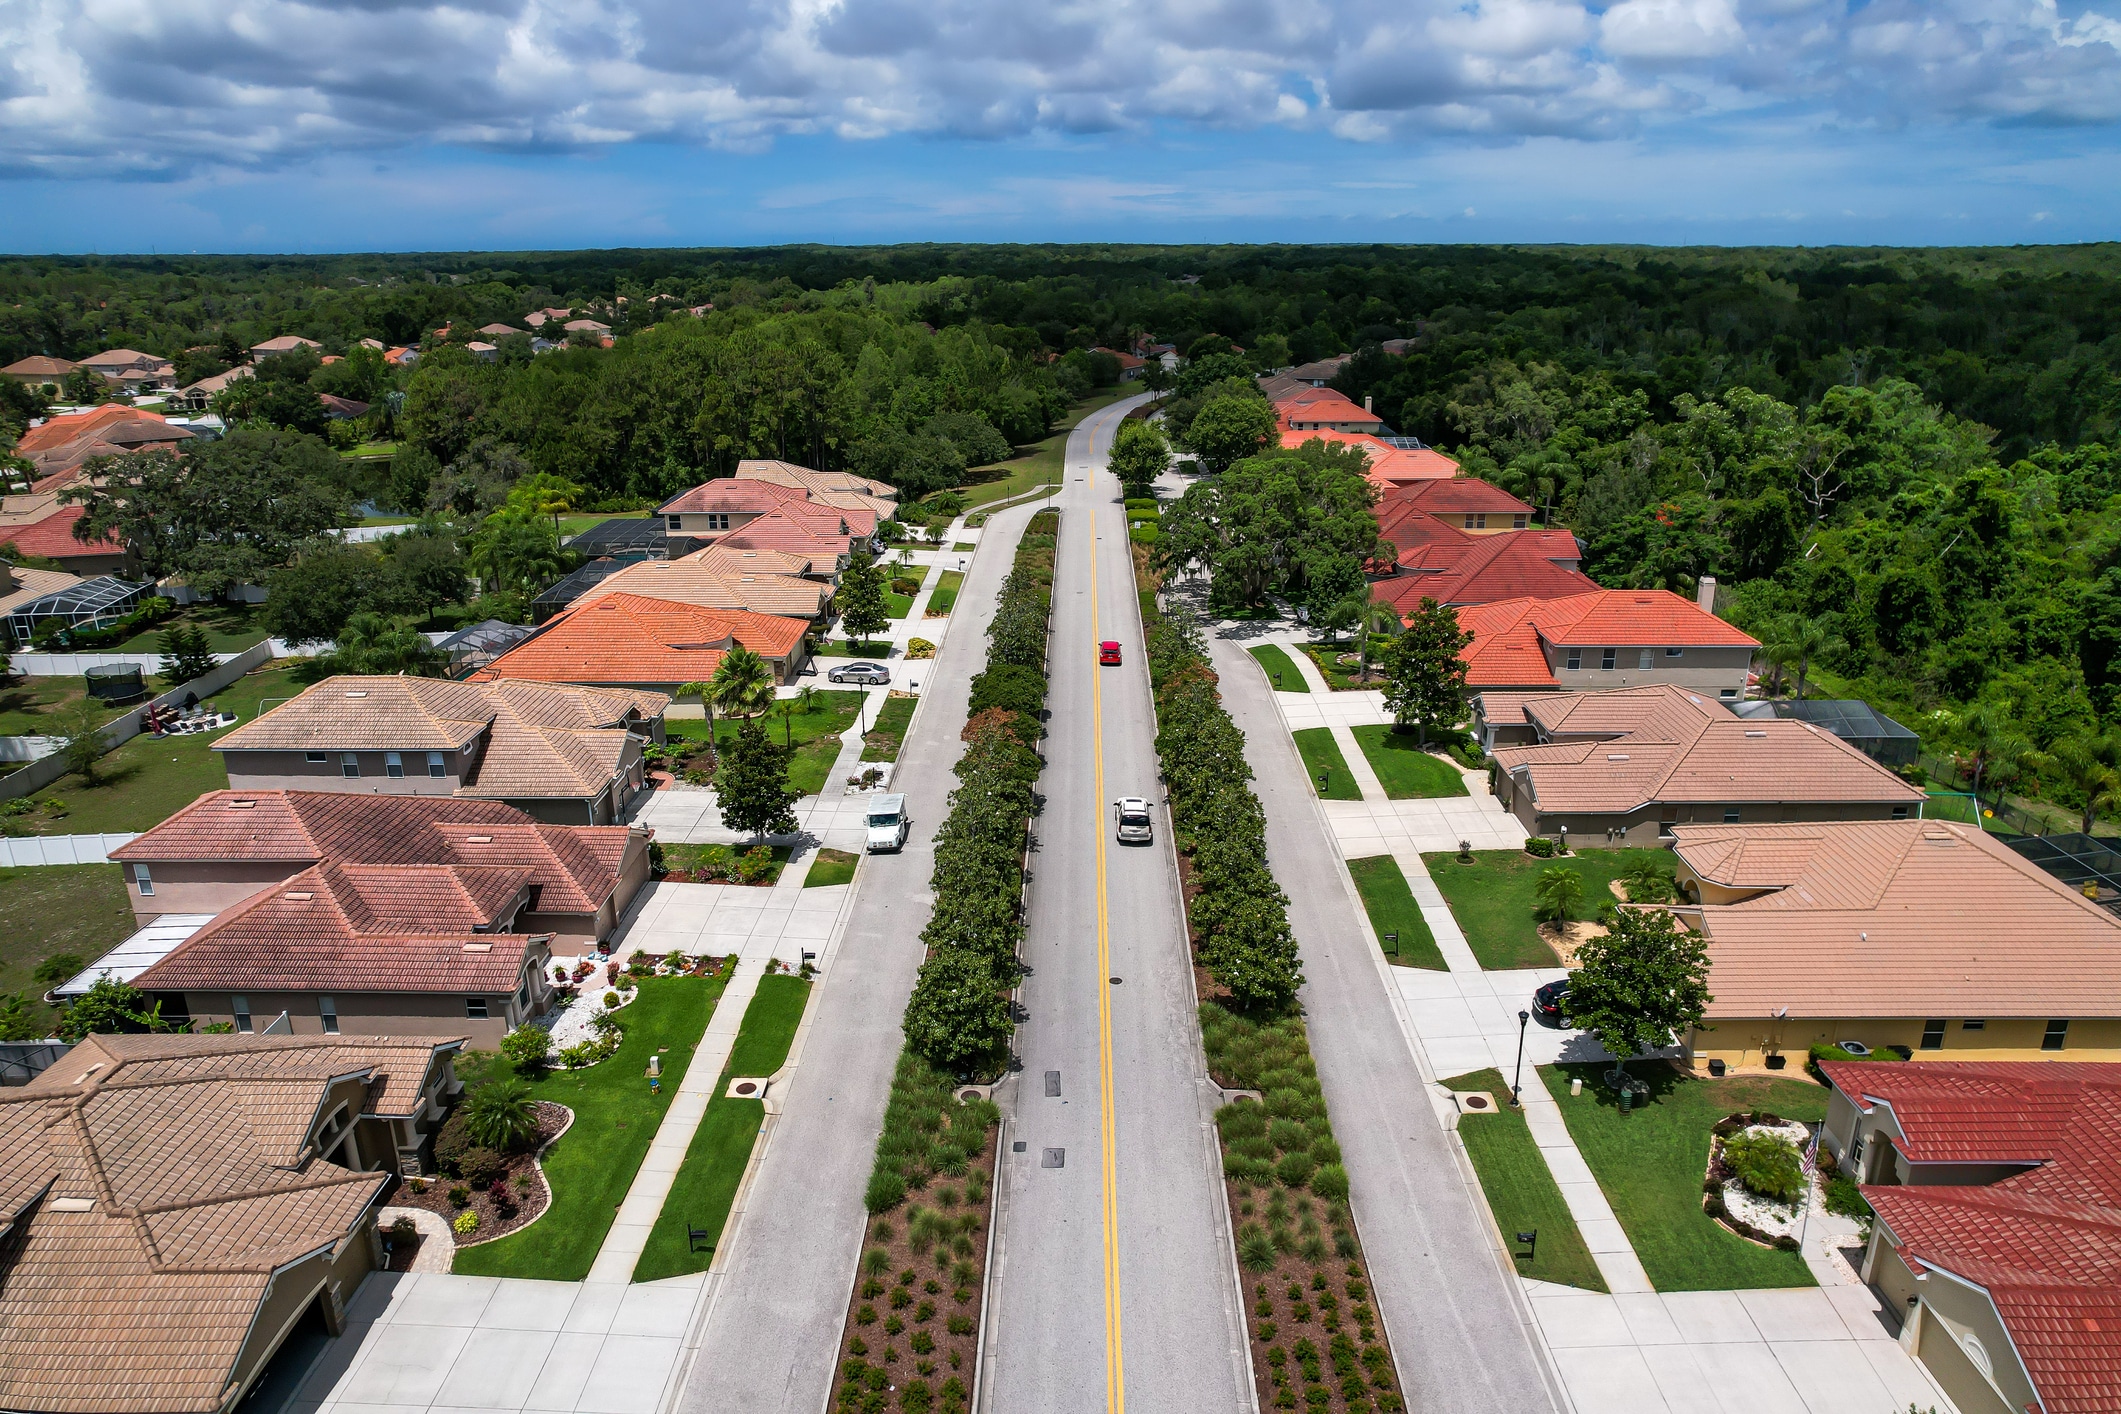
(1052, 1084)
(1018, 1147)
(1054, 1159)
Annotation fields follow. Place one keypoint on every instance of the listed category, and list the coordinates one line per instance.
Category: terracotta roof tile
(730, 494)
(53, 537)
(690, 580)
(627, 638)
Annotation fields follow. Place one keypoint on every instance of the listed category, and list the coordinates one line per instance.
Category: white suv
(1135, 826)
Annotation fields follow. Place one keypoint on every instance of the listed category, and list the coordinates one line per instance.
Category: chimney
(1366, 403)
(1705, 594)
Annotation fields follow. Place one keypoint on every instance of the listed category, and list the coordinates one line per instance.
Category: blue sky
(260, 125)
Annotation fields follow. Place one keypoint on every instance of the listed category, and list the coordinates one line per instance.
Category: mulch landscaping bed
(928, 1282)
(525, 1184)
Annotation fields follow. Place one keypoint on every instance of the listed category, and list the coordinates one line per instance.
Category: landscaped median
(1394, 915)
(615, 1119)
(912, 1328)
(1521, 1190)
(721, 1147)
(1652, 1163)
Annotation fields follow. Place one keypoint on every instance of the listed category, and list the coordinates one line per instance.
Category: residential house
(727, 559)
(1130, 365)
(482, 351)
(1918, 933)
(563, 754)
(822, 485)
(173, 1208)
(1474, 544)
(588, 326)
(45, 530)
(1630, 767)
(21, 587)
(1603, 638)
(130, 369)
(1997, 1237)
(1319, 372)
(227, 845)
(1325, 410)
(340, 409)
(693, 579)
(403, 356)
(822, 534)
(285, 343)
(376, 344)
(537, 318)
(709, 511)
(499, 331)
(1462, 502)
(58, 448)
(1394, 461)
(38, 370)
(200, 395)
(368, 949)
(626, 640)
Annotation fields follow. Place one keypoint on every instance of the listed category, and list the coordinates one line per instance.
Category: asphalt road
(1460, 1333)
(772, 1327)
(1113, 1277)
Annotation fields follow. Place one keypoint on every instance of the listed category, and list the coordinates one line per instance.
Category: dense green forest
(1900, 464)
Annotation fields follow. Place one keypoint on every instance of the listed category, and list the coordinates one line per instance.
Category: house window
(142, 878)
(316, 758)
(328, 1013)
(1730, 814)
(1477, 522)
(1575, 659)
(475, 1008)
(1608, 658)
(676, 523)
(1728, 692)
(434, 764)
(1649, 659)
(718, 520)
(349, 765)
(2057, 1033)
(1973, 1025)
(1900, 812)
(1519, 522)
(1673, 652)
(239, 1007)
(1933, 1035)
(393, 765)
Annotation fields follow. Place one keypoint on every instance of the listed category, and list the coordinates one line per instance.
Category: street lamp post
(1516, 1079)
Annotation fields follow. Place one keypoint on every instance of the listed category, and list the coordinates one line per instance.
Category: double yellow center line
(1115, 1372)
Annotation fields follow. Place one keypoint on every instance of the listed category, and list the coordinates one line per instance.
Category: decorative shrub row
(1239, 916)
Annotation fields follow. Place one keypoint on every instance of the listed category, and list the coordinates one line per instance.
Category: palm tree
(786, 709)
(2090, 766)
(1803, 639)
(1991, 744)
(1377, 617)
(499, 1113)
(1559, 895)
(743, 683)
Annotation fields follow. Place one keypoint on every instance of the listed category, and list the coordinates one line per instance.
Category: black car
(1549, 1001)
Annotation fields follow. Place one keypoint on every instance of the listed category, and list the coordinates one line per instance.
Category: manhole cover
(1052, 1083)
(745, 1087)
(1054, 1159)
(1478, 1102)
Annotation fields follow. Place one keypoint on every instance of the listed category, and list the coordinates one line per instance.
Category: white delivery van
(1134, 824)
(888, 825)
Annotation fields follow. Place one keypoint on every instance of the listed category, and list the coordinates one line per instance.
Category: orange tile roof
(1457, 494)
(1479, 569)
(58, 431)
(776, 530)
(628, 638)
(53, 537)
(1320, 407)
(1508, 634)
(150, 1189)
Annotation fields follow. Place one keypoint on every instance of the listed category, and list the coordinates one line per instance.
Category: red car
(1108, 654)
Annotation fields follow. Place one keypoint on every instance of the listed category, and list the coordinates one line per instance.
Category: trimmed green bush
(1766, 1164)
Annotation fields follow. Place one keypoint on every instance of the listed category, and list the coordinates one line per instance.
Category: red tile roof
(625, 638)
(730, 494)
(53, 537)
(777, 530)
(361, 928)
(1457, 494)
(1507, 634)
(2044, 1243)
(58, 431)
(1479, 569)
(576, 866)
(1321, 407)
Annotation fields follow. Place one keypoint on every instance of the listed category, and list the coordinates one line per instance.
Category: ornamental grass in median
(1316, 1341)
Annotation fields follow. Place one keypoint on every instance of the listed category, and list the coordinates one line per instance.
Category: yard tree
(861, 599)
(1139, 455)
(751, 784)
(705, 692)
(1640, 985)
(1558, 896)
(1425, 678)
(21, 1019)
(108, 1007)
(80, 726)
(545, 493)
(373, 644)
(958, 1015)
(186, 653)
(1229, 429)
(742, 683)
(2088, 767)
(431, 566)
(514, 549)
(310, 600)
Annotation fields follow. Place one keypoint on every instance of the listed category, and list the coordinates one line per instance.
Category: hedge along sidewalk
(721, 1148)
(1521, 1190)
(1322, 756)
(1390, 904)
(615, 1120)
(643, 1204)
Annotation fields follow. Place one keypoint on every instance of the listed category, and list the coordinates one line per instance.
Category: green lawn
(964, 545)
(815, 735)
(687, 857)
(230, 628)
(1322, 753)
(147, 780)
(1492, 898)
(945, 595)
(372, 449)
(1390, 904)
(901, 605)
(887, 734)
(29, 705)
(1521, 1189)
(832, 866)
(1651, 1162)
(1280, 670)
(1037, 465)
(576, 524)
(615, 1118)
(1408, 771)
(51, 909)
(837, 647)
(721, 1147)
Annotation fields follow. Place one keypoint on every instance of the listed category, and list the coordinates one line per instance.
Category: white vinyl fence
(60, 849)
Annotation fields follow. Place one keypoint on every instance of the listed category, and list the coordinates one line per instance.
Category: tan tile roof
(32, 584)
(729, 559)
(689, 580)
(37, 365)
(550, 738)
(357, 928)
(149, 1187)
(1682, 748)
(791, 474)
(1897, 918)
(789, 534)
(729, 493)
